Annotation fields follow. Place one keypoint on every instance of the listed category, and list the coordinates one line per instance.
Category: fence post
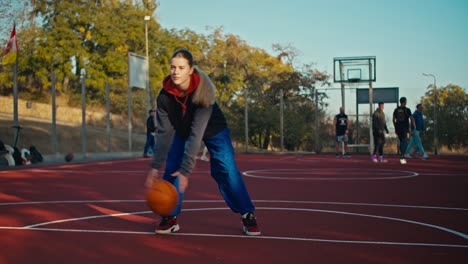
(83, 116)
(54, 112)
(108, 118)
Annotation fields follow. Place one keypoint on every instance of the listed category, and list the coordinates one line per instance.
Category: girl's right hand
(153, 175)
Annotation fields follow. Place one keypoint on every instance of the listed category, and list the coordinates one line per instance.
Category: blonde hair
(204, 95)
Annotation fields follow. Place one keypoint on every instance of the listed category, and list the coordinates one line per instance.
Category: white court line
(84, 218)
(444, 174)
(240, 236)
(288, 157)
(266, 208)
(105, 172)
(34, 227)
(257, 201)
(251, 174)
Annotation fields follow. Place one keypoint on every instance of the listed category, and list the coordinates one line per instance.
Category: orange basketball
(162, 197)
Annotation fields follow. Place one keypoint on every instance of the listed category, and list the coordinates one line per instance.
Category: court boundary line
(454, 232)
(239, 236)
(257, 201)
(250, 173)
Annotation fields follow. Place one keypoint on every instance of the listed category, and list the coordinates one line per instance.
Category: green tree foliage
(452, 116)
(93, 38)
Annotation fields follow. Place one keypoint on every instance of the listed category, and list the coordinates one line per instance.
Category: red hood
(170, 87)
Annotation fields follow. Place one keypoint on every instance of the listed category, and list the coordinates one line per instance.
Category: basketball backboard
(137, 70)
(386, 95)
(354, 69)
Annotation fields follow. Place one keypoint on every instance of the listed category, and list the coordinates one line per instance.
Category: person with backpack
(401, 117)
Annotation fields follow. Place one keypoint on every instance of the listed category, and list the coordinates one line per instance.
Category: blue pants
(223, 170)
(149, 143)
(415, 140)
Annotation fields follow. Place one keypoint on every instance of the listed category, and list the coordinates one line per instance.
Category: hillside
(38, 132)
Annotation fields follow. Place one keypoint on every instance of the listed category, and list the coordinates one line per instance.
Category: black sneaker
(250, 226)
(337, 155)
(346, 155)
(168, 225)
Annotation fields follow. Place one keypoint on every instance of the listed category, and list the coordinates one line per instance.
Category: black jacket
(197, 123)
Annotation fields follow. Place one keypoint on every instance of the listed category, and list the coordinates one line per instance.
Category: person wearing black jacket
(150, 133)
(401, 120)
(341, 133)
(379, 127)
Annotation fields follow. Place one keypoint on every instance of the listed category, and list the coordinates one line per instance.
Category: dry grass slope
(38, 133)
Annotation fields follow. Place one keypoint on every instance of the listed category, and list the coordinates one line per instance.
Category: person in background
(341, 133)
(379, 127)
(416, 133)
(203, 156)
(401, 117)
(150, 133)
(188, 114)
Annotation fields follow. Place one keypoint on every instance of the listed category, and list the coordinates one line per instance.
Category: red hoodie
(171, 88)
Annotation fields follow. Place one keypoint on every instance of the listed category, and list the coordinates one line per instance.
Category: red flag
(11, 50)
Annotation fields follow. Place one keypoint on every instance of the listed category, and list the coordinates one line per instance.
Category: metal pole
(436, 109)
(129, 95)
(316, 121)
(54, 118)
(436, 101)
(371, 102)
(83, 116)
(15, 102)
(342, 85)
(224, 84)
(246, 119)
(108, 118)
(148, 92)
(129, 111)
(281, 119)
(343, 95)
(356, 141)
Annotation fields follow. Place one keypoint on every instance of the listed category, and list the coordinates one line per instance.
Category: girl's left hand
(183, 181)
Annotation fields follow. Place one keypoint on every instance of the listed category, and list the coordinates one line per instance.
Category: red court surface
(311, 209)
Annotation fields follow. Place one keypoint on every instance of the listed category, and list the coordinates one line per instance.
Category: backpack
(2, 147)
(17, 156)
(3, 151)
(36, 156)
(401, 115)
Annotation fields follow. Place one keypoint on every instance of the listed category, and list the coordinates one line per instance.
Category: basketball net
(353, 86)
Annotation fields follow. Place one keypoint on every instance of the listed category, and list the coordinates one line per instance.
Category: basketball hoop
(353, 83)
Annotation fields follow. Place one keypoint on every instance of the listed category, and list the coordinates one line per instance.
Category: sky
(408, 37)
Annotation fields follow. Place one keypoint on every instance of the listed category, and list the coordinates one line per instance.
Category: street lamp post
(148, 92)
(436, 139)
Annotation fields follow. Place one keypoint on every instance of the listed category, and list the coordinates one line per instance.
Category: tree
(95, 43)
(93, 38)
(452, 116)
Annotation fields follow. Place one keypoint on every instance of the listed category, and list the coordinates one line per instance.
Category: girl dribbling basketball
(187, 114)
